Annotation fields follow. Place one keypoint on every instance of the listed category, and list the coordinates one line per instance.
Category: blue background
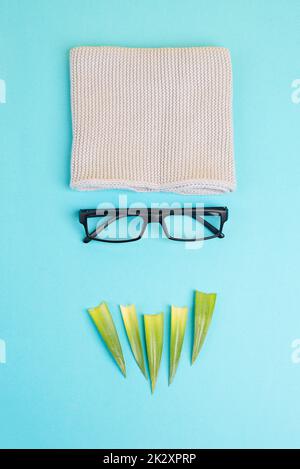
(59, 387)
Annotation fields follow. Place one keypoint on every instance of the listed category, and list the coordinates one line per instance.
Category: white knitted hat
(152, 119)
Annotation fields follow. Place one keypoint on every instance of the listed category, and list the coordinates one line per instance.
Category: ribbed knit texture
(152, 119)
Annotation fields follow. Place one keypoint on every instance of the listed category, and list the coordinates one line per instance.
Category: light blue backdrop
(59, 387)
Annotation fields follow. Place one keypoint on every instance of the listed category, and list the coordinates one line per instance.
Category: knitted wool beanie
(152, 119)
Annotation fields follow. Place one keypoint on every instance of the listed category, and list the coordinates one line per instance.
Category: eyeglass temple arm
(208, 225)
(100, 228)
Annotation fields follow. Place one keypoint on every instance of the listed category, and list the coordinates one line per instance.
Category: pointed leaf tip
(105, 325)
(203, 311)
(154, 332)
(132, 330)
(178, 326)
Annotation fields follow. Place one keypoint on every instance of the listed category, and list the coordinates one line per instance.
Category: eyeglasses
(129, 224)
(122, 225)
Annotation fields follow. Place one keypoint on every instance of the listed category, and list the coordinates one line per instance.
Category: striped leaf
(132, 330)
(204, 307)
(107, 329)
(178, 325)
(154, 331)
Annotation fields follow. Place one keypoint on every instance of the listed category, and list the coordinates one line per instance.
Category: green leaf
(178, 325)
(204, 307)
(154, 331)
(132, 329)
(107, 329)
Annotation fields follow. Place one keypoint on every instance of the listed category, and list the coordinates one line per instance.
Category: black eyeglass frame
(153, 215)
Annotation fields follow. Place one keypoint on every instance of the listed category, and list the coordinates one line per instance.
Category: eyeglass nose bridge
(155, 217)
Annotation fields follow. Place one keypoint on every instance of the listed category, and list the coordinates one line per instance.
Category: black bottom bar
(133, 458)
